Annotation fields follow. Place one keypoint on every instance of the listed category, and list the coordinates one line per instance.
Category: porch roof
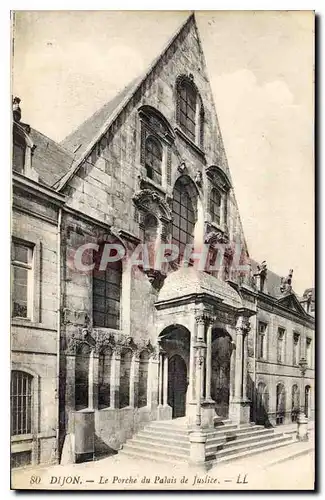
(189, 281)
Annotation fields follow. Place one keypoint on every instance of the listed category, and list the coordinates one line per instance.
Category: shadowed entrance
(220, 381)
(175, 350)
(177, 385)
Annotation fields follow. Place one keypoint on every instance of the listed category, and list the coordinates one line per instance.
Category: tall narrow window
(143, 379)
(262, 403)
(184, 216)
(280, 345)
(296, 353)
(107, 294)
(153, 159)
(308, 352)
(215, 206)
(280, 404)
(125, 373)
(22, 260)
(262, 339)
(82, 377)
(21, 403)
(307, 400)
(294, 403)
(187, 108)
(104, 378)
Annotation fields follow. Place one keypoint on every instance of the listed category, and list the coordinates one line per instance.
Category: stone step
(244, 440)
(170, 429)
(167, 452)
(171, 456)
(251, 452)
(251, 446)
(132, 453)
(256, 435)
(237, 432)
(149, 438)
(153, 434)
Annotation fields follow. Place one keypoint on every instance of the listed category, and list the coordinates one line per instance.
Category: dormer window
(22, 144)
(153, 159)
(18, 153)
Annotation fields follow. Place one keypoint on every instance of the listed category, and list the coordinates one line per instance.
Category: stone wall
(33, 341)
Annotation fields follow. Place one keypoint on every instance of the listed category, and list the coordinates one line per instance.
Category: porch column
(134, 380)
(160, 381)
(165, 392)
(208, 362)
(239, 364)
(245, 364)
(93, 381)
(239, 409)
(70, 400)
(201, 321)
(153, 381)
(232, 368)
(191, 389)
(115, 378)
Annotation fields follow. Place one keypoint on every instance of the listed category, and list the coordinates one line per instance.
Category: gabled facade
(149, 168)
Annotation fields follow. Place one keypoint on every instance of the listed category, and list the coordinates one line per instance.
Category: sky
(67, 64)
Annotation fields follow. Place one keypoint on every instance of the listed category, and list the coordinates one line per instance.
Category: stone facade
(180, 336)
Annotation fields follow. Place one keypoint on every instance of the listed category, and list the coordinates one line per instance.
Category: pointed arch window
(153, 159)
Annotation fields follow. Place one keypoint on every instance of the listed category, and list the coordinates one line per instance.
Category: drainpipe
(58, 338)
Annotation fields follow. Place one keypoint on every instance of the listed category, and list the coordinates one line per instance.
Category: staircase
(168, 441)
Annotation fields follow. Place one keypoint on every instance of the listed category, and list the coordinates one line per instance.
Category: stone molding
(99, 340)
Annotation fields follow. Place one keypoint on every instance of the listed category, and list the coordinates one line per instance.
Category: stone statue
(262, 269)
(16, 111)
(198, 178)
(286, 283)
(260, 276)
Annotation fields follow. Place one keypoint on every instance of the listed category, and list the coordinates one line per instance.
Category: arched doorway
(175, 348)
(220, 371)
(307, 396)
(262, 404)
(280, 404)
(177, 385)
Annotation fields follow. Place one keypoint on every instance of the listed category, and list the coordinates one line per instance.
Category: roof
(91, 131)
(50, 160)
(273, 281)
(77, 142)
(188, 281)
